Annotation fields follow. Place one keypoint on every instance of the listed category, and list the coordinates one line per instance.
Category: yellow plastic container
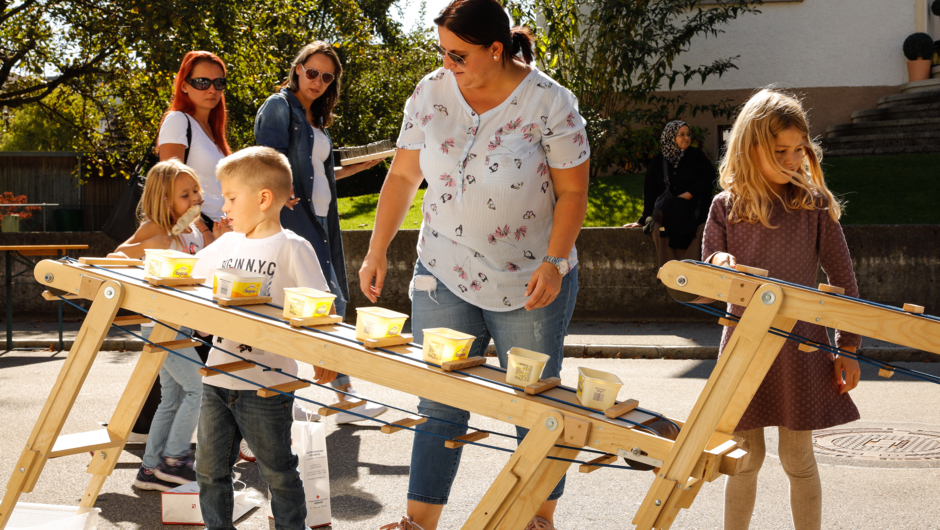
(169, 263)
(525, 366)
(304, 302)
(236, 283)
(378, 323)
(442, 345)
(597, 390)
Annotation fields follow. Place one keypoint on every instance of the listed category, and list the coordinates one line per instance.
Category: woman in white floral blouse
(505, 155)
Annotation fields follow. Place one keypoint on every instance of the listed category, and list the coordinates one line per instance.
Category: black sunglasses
(459, 59)
(203, 83)
(313, 73)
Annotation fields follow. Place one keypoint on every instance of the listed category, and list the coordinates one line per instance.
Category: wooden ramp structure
(559, 426)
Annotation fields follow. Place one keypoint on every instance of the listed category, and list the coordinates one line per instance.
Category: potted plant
(12, 215)
(918, 48)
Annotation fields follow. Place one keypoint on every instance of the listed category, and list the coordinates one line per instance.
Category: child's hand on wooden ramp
(323, 376)
(723, 259)
(118, 255)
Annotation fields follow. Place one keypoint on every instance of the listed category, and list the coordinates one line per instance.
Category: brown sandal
(539, 523)
(407, 523)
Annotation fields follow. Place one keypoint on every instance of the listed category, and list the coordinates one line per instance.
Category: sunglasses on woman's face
(313, 73)
(459, 59)
(203, 83)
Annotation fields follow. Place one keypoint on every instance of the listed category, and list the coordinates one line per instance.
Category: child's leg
(741, 489)
(216, 453)
(163, 417)
(186, 374)
(265, 423)
(799, 462)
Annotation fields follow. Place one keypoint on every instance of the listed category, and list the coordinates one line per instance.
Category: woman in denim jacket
(294, 122)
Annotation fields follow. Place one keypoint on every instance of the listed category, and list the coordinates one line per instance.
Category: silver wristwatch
(560, 264)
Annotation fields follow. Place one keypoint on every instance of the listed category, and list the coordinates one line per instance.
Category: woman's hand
(374, 266)
(292, 201)
(342, 172)
(852, 372)
(687, 196)
(723, 259)
(544, 285)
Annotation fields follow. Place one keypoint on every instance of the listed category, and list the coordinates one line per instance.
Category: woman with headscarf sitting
(676, 195)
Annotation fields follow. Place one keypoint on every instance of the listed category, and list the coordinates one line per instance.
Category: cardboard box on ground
(180, 505)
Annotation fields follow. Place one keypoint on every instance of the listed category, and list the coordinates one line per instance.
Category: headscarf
(671, 150)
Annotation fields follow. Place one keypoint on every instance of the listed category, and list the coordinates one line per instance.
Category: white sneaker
(302, 414)
(368, 408)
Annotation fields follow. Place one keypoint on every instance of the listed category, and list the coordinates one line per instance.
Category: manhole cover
(884, 444)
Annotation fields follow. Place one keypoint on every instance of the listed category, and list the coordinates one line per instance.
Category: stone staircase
(905, 123)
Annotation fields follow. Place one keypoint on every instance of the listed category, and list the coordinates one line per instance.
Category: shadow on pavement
(9, 359)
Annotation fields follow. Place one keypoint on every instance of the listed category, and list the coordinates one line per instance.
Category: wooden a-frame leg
(537, 490)
(107, 299)
(125, 414)
(721, 392)
(514, 490)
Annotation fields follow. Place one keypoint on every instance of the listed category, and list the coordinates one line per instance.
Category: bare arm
(398, 193)
(341, 172)
(177, 151)
(571, 187)
(149, 235)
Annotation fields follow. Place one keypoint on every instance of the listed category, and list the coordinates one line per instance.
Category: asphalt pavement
(369, 470)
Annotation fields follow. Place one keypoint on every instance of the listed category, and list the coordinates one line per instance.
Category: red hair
(181, 102)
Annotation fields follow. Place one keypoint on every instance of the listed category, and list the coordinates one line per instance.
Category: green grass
(897, 189)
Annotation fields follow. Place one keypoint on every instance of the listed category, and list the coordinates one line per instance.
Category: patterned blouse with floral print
(490, 201)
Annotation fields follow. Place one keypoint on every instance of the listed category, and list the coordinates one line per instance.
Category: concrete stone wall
(894, 264)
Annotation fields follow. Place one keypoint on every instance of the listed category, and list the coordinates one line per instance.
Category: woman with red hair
(193, 128)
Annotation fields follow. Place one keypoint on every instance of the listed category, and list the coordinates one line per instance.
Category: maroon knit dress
(799, 392)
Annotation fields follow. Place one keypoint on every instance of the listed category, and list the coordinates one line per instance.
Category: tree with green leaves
(620, 58)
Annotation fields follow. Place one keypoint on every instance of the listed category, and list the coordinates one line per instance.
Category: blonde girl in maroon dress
(776, 213)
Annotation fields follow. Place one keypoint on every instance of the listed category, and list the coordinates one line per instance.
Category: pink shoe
(539, 523)
(406, 523)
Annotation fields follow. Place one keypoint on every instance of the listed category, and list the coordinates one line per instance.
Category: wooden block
(462, 364)
(131, 320)
(742, 291)
(112, 262)
(246, 300)
(751, 270)
(173, 282)
(389, 341)
(806, 347)
(410, 421)
(462, 440)
(171, 345)
(727, 323)
(576, 431)
(315, 321)
(336, 408)
(209, 371)
(886, 372)
(593, 464)
(832, 289)
(542, 386)
(289, 386)
(621, 408)
(49, 295)
(733, 462)
(82, 442)
(913, 308)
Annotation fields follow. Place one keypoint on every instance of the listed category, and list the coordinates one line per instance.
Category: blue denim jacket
(282, 124)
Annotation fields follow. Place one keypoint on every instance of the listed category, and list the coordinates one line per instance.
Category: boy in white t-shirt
(256, 183)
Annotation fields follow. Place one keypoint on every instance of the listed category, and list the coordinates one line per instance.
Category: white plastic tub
(378, 323)
(305, 302)
(525, 366)
(596, 389)
(442, 345)
(169, 263)
(236, 283)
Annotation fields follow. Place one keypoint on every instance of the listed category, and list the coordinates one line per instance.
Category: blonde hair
(156, 203)
(259, 168)
(762, 118)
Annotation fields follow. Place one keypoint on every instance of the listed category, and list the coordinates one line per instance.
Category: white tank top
(193, 241)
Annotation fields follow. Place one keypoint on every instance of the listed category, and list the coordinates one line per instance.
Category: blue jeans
(339, 302)
(180, 393)
(433, 466)
(227, 417)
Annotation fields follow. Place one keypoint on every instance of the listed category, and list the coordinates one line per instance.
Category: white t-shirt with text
(287, 260)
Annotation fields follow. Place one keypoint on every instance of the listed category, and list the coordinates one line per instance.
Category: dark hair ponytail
(484, 22)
